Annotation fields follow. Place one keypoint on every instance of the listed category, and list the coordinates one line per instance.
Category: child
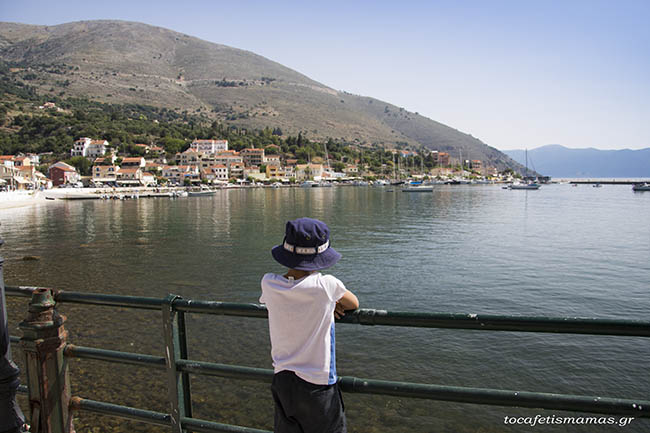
(302, 305)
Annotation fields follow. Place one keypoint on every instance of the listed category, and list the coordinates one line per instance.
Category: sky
(515, 74)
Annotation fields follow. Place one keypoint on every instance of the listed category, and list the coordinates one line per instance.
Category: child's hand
(339, 311)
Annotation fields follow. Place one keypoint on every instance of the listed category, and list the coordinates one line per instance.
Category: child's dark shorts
(303, 407)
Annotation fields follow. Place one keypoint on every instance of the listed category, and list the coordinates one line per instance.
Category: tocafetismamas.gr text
(568, 420)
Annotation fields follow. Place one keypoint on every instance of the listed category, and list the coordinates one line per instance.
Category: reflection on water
(557, 251)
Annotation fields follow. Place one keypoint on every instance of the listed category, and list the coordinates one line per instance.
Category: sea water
(559, 251)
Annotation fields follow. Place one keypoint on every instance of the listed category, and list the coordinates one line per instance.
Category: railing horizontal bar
(200, 425)
(72, 350)
(494, 322)
(224, 370)
(483, 322)
(22, 291)
(538, 400)
(150, 417)
(157, 418)
(109, 300)
(222, 308)
(92, 298)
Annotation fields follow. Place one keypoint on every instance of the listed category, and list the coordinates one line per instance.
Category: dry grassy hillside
(125, 62)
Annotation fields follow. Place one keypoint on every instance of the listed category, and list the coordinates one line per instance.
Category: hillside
(562, 162)
(133, 63)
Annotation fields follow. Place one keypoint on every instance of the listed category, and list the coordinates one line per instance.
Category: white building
(80, 147)
(89, 148)
(209, 146)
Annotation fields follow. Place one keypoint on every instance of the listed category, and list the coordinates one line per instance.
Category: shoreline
(17, 199)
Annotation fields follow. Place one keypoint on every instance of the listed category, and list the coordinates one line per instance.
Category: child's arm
(347, 302)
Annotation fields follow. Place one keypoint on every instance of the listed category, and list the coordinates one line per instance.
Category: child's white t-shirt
(301, 324)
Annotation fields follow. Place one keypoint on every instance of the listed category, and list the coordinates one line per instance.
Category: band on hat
(306, 250)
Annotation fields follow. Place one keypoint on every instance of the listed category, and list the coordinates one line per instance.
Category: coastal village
(210, 163)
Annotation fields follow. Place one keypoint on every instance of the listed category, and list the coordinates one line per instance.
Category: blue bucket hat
(306, 246)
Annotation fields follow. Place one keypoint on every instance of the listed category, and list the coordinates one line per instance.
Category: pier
(604, 181)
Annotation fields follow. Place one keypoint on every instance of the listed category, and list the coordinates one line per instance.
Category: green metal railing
(178, 367)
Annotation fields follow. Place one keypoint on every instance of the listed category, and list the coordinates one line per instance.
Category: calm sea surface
(559, 251)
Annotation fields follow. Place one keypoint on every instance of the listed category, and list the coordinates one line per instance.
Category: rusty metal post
(11, 418)
(48, 384)
(178, 383)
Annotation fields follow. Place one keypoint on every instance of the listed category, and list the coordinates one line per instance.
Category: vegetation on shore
(24, 127)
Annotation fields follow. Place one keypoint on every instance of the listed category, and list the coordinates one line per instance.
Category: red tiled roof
(129, 170)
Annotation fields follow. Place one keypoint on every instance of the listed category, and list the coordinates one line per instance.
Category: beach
(14, 199)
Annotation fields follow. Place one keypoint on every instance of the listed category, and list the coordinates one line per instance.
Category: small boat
(597, 185)
(530, 185)
(201, 193)
(308, 184)
(641, 187)
(417, 187)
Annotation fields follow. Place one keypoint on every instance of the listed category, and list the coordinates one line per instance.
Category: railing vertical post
(176, 348)
(11, 418)
(48, 385)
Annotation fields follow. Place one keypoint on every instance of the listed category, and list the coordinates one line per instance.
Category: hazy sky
(513, 73)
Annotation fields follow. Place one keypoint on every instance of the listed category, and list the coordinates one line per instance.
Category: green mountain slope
(125, 62)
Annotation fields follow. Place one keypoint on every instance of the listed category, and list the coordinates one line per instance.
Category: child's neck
(296, 274)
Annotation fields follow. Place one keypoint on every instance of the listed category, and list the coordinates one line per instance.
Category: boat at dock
(417, 187)
(201, 193)
(529, 185)
(641, 187)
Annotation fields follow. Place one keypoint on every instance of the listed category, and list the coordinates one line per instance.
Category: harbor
(467, 249)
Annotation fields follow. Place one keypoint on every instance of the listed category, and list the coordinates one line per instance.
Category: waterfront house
(22, 161)
(137, 161)
(227, 159)
(309, 171)
(272, 160)
(7, 175)
(236, 169)
(105, 173)
(351, 170)
(220, 172)
(176, 174)
(108, 159)
(130, 176)
(189, 157)
(252, 156)
(148, 179)
(274, 172)
(153, 166)
(289, 171)
(7, 160)
(62, 174)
